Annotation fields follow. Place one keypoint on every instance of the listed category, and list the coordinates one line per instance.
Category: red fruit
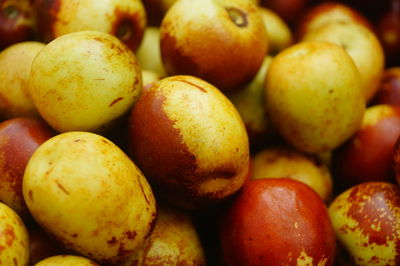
(277, 222)
(389, 87)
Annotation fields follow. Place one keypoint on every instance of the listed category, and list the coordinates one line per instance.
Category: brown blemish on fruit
(372, 206)
(47, 12)
(238, 16)
(128, 28)
(112, 241)
(190, 83)
(15, 261)
(115, 101)
(30, 194)
(9, 235)
(61, 187)
(130, 234)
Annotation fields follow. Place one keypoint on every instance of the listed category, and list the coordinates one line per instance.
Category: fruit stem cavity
(237, 16)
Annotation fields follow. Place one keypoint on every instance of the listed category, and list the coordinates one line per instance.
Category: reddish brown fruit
(389, 87)
(19, 138)
(17, 22)
(277, 222)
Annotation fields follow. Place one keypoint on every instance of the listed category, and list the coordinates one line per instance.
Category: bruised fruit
(14, 239)
(313, 96)
(277, 222)
(189, 141)
(84, 81)
(366, 219)
(84, 191)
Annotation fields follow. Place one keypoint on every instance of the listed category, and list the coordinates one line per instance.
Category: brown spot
(30, 194)
(144, 193)
(131, 234)
(115, 101)
(128, 27)
(63, 189)
(112, 241)
(15, 261)
(238, 16)
(8, 234)
(77, 140)
(190, 83)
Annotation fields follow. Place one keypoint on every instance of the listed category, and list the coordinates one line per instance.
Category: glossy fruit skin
(276, 222)
(19, 138)
(368, 154)
(17, 22)
(66, 260)
(227, 53)
(189, 141)
(366, 219)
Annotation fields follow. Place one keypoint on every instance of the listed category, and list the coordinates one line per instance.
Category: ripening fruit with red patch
(190, 141)
(366, 219)
(277, 221)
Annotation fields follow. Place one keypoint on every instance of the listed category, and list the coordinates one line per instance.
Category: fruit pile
(199, 132)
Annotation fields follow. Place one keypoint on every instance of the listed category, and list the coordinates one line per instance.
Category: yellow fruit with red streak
(366, 219)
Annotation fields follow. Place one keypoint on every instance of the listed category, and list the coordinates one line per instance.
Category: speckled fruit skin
(84, 191)
(15, 68)
(313, 96)
(282, 161)
(19, 138)
(14, 239)
(366, 219)
(368, 154)
(189, 141)
(227, 53)
(174, 241)
(84, 81)
(66, 260)
(125, 19)
(17, 22)
(277, 222)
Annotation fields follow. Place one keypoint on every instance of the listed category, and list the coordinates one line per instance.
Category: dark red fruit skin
(272, 221)
(17, 22)
(288, 10)
(368, 155)
(396, 160)
(19, 138)
(389, 87)
(388, 32)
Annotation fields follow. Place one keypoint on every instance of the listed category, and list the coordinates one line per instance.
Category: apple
(289, 10)
(15, 68)
(276, 222)
(17, 22)
(19, 138)
(367, 156)
(125, 19)
(250, 105)
(362, 45)
(328, 13)
(148, 53)
(226, 53)
(313, 96)
(389, 87)
(366, 220)
(388, 31)
(84, 81)
(279, 33)
(282, 161)
(190, 142)
(174, 241)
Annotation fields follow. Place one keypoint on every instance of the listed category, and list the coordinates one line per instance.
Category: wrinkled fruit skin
(189, 141)
(277, 222)
(86, 193)
(366, 219)
(19, 138)
(227, 53)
